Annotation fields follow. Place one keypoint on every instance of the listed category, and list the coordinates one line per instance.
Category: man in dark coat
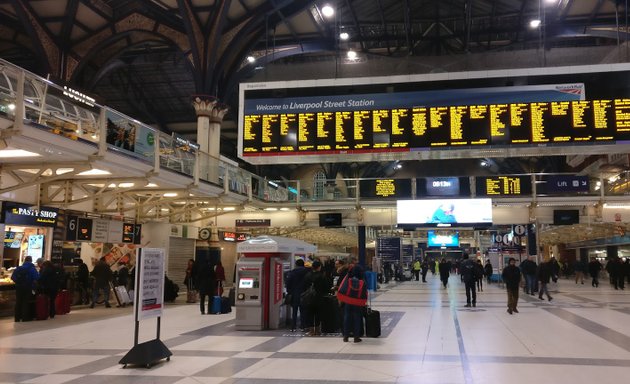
(102, 276)
(49, 285)
(425, 270)
(445, 271)
(468, 272)
(545, 273)
(528, 267)
(594, 267)
(206, 280)
(24, 278)
(322, 287)
(295, 287)
(512, 278)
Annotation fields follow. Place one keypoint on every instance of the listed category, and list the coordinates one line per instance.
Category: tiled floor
(582, 336)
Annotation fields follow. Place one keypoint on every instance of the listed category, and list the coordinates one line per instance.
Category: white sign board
(150, 284)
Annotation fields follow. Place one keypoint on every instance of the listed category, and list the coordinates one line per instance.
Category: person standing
(321, 285)
(83, 280)
(49, 285)
(594, 267)
(545, 273)
(416, 269)
(190, 281)
(295, 287)
(219, 275)
(24, 278)
(579, 268)
(102, 277)
(467, 269)
(528, 267)
(353, 294)
(512, 278)
(488, 271)
(444, 267)
(206, 280)
(479, 275)
(425, 269)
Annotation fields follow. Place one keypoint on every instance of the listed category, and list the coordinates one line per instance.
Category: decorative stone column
(209, 117)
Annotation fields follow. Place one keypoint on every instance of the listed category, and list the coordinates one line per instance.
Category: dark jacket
(206, 280)
(544, 272)
(488, 269)
(445, 270)
(319, 281)
(468, 269)
(48, 282)
(102, 274)
(511, 276)
(528, 267)
(295, 284)
(594, 267)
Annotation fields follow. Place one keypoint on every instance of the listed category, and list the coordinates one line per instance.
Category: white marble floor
(582, 336)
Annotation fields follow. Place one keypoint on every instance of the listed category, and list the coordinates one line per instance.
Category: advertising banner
(150, 284)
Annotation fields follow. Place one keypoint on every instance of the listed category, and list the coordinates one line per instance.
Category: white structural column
(209, 117)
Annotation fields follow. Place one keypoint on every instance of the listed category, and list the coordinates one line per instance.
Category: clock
(204, 233)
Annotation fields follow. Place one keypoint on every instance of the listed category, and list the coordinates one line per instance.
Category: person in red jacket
(353, 293)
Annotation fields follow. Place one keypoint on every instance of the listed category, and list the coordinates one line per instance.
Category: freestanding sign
(148, 303)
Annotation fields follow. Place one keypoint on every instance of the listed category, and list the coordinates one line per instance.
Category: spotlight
(352, 55)
(328, 11)
(344, 36)
(534, 23)
(251, 59)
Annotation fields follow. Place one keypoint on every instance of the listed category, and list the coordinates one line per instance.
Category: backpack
(21, 278)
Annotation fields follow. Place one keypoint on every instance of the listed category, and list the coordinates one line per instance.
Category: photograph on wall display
(117, 255)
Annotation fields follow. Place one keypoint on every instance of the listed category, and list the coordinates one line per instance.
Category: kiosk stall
(260, 271)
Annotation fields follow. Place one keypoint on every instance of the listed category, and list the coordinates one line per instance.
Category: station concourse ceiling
(147, 58)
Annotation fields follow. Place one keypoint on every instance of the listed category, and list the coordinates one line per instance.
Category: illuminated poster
(150, 283)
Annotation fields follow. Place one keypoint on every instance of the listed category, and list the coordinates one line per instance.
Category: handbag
(307, 298)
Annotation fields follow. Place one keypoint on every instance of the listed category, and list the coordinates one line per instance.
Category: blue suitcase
(370, 278)
(216, 304)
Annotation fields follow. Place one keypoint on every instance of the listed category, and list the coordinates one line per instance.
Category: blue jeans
(530, 284)
(352, 317)
(105, 294)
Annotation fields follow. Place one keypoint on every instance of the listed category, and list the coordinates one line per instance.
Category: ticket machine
(260, 271)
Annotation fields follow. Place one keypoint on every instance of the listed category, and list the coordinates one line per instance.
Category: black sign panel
(71, 228)
(389, 248)
(561, 184)
(137, 237)
(503, 186)
(253, 222)
(436, 127)
(386, 188)
(84, 229)
(128, 233)
(23, 214)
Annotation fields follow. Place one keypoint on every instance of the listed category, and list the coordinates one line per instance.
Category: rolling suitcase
(42, 308)
(372, 323)
(232, 296)
(225, 305)
(329, 314)
(61, 307)
(216, 305)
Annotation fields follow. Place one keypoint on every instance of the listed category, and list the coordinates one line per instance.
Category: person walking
(444, 268)
(468, 273)
(102, 277)
(479, 275)
(528, 268)
(545, 273)
(295, 287)
(425, 269)
(24, 278)
(512, 278)
(580, 268)
(594, 268)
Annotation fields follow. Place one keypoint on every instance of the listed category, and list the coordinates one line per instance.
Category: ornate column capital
(210, 107)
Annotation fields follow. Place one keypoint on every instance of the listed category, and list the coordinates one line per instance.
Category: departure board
(503, 186)
(386, 188)
(413, 129)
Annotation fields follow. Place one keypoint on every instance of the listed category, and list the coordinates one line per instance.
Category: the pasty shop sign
(151, 295)
(16, 213)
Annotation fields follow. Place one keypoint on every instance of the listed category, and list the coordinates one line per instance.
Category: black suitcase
(329, 315)
(372, 323)
(232, 296)
(225, 305)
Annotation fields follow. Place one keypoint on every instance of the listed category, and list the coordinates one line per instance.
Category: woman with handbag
(295, 287)
(320, 286)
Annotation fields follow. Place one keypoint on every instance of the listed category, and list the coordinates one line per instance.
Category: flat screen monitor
(246, 282)
(475, 213)
(566, 216)
(442, 239)
(330, 219)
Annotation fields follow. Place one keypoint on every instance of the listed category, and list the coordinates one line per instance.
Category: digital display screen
(438, 239)
(386, 188)
(503, 185)
(444, 212)
(246, 282)
(422, 128)
(443, 186)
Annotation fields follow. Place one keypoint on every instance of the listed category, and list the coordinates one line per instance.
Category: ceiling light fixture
(344, 36)
(151, 185)
(352, 55)
(170, 194)
(534, 23)
(11, 107)
(328, 11)
(251, 59)
(94, 172)
(125, 185)
(11, 152)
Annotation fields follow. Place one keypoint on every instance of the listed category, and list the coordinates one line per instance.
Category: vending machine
(249, 294)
